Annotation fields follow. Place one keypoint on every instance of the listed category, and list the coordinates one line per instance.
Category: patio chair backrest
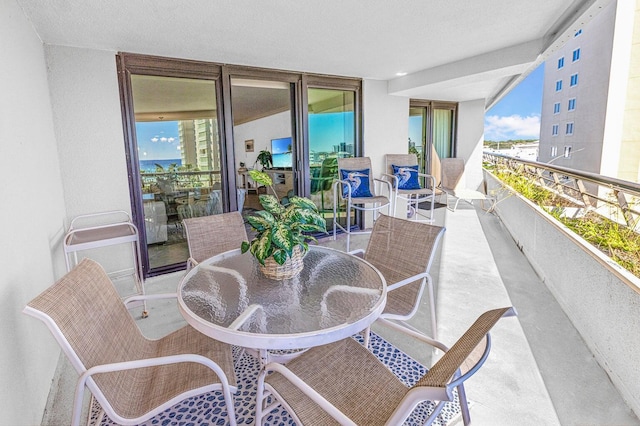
(399, 160)
(208, 236)
(400, 248)
(94, 325)
(468, 353)
(357, 163)
(452, 172)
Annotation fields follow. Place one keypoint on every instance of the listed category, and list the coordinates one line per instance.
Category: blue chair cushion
(407, 176)
(359, 180)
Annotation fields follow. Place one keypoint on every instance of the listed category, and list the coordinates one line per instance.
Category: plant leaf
(262, 222)
(283, 237)
(271, 204)
(303, 203)
(260, 177)
(263, 248)
(308, 217)
(280, 256)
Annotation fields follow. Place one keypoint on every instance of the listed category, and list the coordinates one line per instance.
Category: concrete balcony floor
(539, 372)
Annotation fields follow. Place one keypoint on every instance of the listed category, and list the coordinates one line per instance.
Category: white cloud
(511, 127)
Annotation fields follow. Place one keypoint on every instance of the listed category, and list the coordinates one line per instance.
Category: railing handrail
(623, 185)
(566, 182)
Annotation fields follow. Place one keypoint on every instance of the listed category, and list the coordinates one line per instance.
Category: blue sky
(517, 115)
(158, 140)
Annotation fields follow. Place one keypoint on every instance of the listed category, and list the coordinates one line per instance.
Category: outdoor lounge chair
(407, 185)
(357, 187)
(403, 251)
(132, 378)
(452, 186)
(344, 383)
(208, 236)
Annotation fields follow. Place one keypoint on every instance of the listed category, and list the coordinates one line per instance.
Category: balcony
(540, 370)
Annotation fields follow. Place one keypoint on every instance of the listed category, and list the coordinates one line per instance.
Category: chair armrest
(358, 252)
(409, 280)
(431, 178)
(143, 297)
(386, 182)
(415, 334)
(310, 392)
(338, 182)
(390, 177)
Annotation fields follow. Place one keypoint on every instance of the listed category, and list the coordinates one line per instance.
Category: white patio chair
(407, 185)
(208, 236)
(452, 184)
(132, 378)
(403, 251)
(360, 190)
(344, 383)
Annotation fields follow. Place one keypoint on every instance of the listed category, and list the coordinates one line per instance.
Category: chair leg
(432, 307)
(464, 405)
(260, 397)
(367, 337)
(434, 414)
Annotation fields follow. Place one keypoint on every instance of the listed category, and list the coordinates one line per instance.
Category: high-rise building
(590, 117)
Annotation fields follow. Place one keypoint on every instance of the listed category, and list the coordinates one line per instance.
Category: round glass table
(335, 296)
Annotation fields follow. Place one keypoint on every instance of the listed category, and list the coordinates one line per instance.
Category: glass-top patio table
(335, 296)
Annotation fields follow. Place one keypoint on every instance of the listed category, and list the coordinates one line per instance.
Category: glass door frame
(128, 64)
(131, 63)
(331, 83)
(240, 72)
(427, 132)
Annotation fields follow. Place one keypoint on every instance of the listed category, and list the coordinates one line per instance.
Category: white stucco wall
(470, 137)
(261, 131)
(385, 128)
(86, 107)
(33, 214)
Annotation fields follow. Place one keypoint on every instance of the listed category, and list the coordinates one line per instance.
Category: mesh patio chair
(344, 383)
(357, 187)
(208, 236)
(407, 185)
(132, 378)
(403, 252)
(452, 184)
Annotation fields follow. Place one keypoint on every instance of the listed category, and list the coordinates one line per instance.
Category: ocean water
(150, 165)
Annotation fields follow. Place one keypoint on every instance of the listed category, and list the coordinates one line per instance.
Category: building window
(561, 62)
(554, 151)
(578, 32)
(558, 85)
(569, 130)
(567, 152)
(572, 104)
(556, 108)
(554, 130)
(576, 54)
(574, 80)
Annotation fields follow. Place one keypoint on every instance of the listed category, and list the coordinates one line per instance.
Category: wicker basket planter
(288, 269)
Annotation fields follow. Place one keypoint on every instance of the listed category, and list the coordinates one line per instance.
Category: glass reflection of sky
(158, 140)
(329, 129)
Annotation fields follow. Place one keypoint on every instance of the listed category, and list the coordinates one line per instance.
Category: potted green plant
(265, 159)
(282, 231)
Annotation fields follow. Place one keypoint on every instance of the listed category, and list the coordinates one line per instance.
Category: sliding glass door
(264, 137)
(194, 129)
(432, 133)
(178, 149)
(332, 135)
